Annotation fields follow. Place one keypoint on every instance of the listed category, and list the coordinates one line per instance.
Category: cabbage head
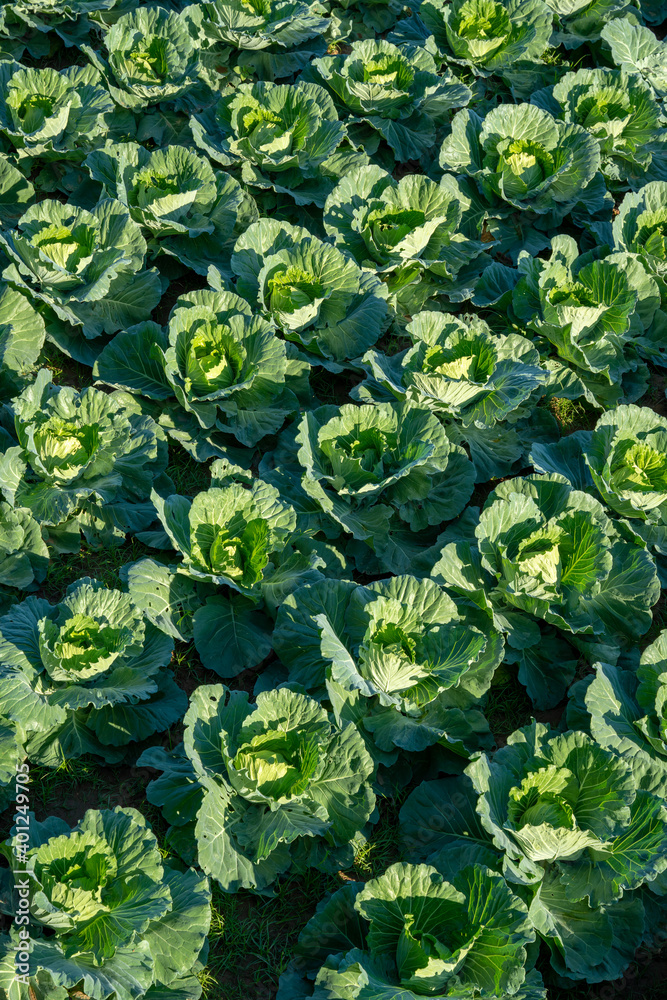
(545, 553)
(317, 295)
(108, 915)
(85, 266)
(187, 209)
(280, 136)
(269, 786)
(598, 317)
(399, 657)
(82, 455)
(391, 93)
(619, 111)
(408, 231)
(411, 933)
(53, 115)
(579, 832)
(151, 57)
(86, 675)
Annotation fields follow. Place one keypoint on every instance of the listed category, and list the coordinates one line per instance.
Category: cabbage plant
(543, 552)
(623, 463)
(86, 675)
(390, 92)
(53, 115)
(151, 57)
(187, 208)
(281, 136)
(398, 657)
(107, 916)
(273, 38)
(596, 317)
(572, 827)
(484, 386)
(411, 932)
(406, 230)
(491, 37)
(582, 22)
(521, 159)
(316, 294)
(268, 785)
(85, 266)
(620, 112)
(81, 457)
(379, 467)
(228, 534)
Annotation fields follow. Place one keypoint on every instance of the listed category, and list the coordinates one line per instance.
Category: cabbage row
(391, 282)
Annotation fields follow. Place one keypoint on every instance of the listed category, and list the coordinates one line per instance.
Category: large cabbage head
(51, 114)
(227, 534)
(393, 453)
(86, 675)
(619, 110)
(152, 57)
(411, 933)
(103, 902)
(194, 211)
(93, 630)
(489, 35)
(522, 156)
(418, 660)
(595, 313)
(408, 229)
(277, 783)
(85, 265)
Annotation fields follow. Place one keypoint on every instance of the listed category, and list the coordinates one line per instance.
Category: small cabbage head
(457, 366)
(80, 448)
(24, 556)
(94, 629)
(408, 230)
(566, 800)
